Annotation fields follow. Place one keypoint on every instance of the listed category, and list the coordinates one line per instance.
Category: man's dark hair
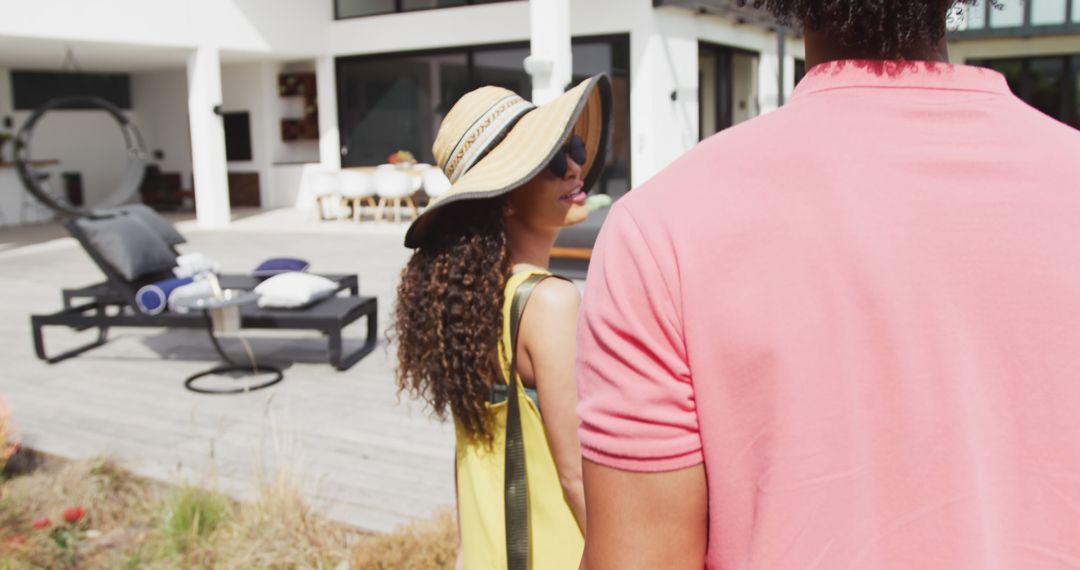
(873, 28)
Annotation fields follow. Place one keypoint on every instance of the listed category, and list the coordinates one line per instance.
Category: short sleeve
(636, 399)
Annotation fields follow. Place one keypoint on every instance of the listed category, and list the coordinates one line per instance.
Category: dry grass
(9, 438)
(132, 523)
(420, 545)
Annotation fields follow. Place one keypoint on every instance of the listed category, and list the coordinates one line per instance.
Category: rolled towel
(195, 290)
(191, 264)
(154, 298)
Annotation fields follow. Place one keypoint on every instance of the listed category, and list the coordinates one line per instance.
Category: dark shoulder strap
(517, 490)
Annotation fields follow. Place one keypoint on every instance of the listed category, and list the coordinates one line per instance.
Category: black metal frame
(399, 9)
(112, 305)
(725, 52)
(133, 141)
(1026, 29)
(469, 51)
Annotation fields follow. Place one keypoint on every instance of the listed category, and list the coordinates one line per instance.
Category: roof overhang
(731, 10)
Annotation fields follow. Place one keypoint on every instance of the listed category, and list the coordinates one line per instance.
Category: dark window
(727, 91)
(356, 8)
(800, 70)
(396, 102)
(237, 137)
(32, 89)
(1051, 84)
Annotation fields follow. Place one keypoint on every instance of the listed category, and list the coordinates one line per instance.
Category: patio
(362, 456)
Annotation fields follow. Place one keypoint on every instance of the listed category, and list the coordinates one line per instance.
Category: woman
(519, 174)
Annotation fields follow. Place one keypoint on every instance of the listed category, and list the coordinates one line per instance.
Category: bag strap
(516, 483)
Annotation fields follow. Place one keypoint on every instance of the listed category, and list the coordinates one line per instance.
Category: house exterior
(239, 98)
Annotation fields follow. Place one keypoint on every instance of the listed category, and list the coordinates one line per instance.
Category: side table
(222, 314)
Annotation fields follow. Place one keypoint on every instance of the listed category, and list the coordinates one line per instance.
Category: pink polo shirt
(862, 313)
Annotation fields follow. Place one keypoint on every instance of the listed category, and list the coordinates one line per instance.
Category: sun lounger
(111, 304)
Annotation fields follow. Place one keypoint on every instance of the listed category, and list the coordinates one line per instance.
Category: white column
(209, 168)
(768, 77)
(789, 77)
(664, 91)
(329, 137)
(551, 62)
(7, 106)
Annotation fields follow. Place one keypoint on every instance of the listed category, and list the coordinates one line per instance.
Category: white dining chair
(394, 186)
(435, 183)
(357, 189)
(326, 188)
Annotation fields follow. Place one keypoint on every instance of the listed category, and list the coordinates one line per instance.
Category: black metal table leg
(231, 366)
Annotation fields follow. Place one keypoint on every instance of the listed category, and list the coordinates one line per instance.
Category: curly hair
(448, 315)
(878, 28)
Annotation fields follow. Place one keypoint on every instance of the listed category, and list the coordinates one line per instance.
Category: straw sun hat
(493, 141)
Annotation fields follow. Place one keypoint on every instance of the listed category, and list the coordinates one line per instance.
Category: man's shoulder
(715, 168)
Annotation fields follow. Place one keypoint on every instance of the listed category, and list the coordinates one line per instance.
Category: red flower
(42, 523)
(74, 514)
(393, 158)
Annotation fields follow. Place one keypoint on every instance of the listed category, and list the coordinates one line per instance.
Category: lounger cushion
(276, 265)
(128, 245)
(156, 222)
(293, 290)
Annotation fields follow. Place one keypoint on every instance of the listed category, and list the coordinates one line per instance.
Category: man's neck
(821, 48)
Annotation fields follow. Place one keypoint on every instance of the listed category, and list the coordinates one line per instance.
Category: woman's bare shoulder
(555, 295)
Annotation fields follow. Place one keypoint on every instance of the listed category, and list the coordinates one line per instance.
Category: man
(845, 334)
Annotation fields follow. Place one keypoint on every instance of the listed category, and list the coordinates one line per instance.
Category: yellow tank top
(556, 540)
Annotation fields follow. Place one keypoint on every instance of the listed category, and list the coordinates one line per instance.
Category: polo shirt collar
(890, 74)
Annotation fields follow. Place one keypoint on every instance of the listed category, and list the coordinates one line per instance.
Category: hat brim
(527, 149)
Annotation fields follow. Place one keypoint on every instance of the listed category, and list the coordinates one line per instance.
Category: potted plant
(402, 159)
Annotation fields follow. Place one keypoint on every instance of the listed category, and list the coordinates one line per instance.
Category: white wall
(244, 88)
(159, 99)
(6, 103)
(254, 26)
(291, 107)
(663, 45)
(664, 61)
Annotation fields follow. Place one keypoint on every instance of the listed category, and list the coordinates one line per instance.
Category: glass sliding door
(393, 104)
(397, 102)
(727, 88)
(1050, 84)
(610, 55)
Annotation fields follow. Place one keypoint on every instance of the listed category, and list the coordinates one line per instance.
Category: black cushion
(155, 221)
(128, 245)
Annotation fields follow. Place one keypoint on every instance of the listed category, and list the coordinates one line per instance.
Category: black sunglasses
(575, 149)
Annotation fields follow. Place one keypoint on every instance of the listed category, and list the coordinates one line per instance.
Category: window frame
(470, 52)
(399, 8)
(1070, 94)
(1026, 29)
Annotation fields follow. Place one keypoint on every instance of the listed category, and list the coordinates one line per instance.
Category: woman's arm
(546, 349)
(459, 561)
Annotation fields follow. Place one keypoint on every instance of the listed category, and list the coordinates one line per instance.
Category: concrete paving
(361, 455)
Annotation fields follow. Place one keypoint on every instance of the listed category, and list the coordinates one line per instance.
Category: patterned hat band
(484, 135)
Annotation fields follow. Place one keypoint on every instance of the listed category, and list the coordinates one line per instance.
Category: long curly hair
(879, 28)
(448, 315)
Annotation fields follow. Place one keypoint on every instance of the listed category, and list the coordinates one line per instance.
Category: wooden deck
(362, 456)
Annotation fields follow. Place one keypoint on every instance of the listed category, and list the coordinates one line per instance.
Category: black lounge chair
(112, 304)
